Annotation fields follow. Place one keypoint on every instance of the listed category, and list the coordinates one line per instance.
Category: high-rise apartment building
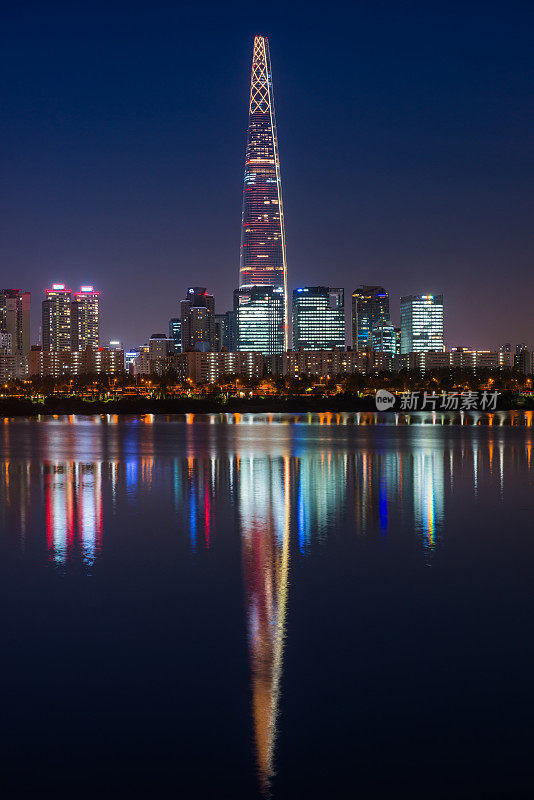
(369, 304)
(421, 322)
(263, 247)
(56, 319)
(260, 315)
(15, 320)
(318, 318)
(85, 319)
(198, 320)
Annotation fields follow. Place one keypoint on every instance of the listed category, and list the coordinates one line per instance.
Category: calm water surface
(253, 606)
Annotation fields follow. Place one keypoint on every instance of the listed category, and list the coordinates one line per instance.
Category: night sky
(406, 146)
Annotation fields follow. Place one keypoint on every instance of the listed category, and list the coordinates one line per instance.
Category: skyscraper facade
(369, 304)
(221, 334)
(421, 322)
(175, 332)
(198, 320)
(85, 319)
(56, 319)
(230, 331)
(383, 337)
(318, 318)
(225, 333)
(263, 247)
(260, 314)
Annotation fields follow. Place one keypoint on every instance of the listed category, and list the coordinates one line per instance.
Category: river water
(325, 605)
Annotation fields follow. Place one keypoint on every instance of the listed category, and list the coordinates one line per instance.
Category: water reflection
(73, 512)
(239, 456)
(286, 484)
(264, 514)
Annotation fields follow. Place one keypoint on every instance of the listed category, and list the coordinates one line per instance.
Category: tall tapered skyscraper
(263, 245)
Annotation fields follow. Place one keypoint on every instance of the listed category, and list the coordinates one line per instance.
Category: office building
(230, 332)
(421, 323)
(56, 319)
(260, 316)
(198, 320)
(369, 304)
(318, 318)
(225, 331)
(383, 337)
(263, 247)
(221, 335)
(129, 358)
(175, 333)
(85, 319)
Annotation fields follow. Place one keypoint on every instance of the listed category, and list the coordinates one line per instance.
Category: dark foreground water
(318, 606)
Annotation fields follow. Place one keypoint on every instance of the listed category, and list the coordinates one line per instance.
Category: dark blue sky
(406, 145)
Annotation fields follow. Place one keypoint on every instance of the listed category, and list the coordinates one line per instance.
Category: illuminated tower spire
(263, 245)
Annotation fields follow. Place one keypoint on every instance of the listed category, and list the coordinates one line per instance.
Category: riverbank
(195, 405)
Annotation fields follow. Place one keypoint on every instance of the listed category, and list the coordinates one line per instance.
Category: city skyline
(410, 212)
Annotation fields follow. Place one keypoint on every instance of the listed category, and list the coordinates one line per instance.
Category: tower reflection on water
(264, 515)
(287, 485)
(73, 508)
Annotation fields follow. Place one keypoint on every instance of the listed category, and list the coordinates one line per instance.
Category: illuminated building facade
(383, 337)
(56, 319)
(263, 247)
(175, 333)
(85, 319)
(421, 322)
(369, 304)
(198, 320)
(129, 359)
(457, 358)
(56, 363)
(318, 318)
(211, 367)
(260, 315)
(319, 363)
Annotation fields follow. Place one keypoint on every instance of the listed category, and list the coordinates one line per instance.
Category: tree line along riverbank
(13, 407)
